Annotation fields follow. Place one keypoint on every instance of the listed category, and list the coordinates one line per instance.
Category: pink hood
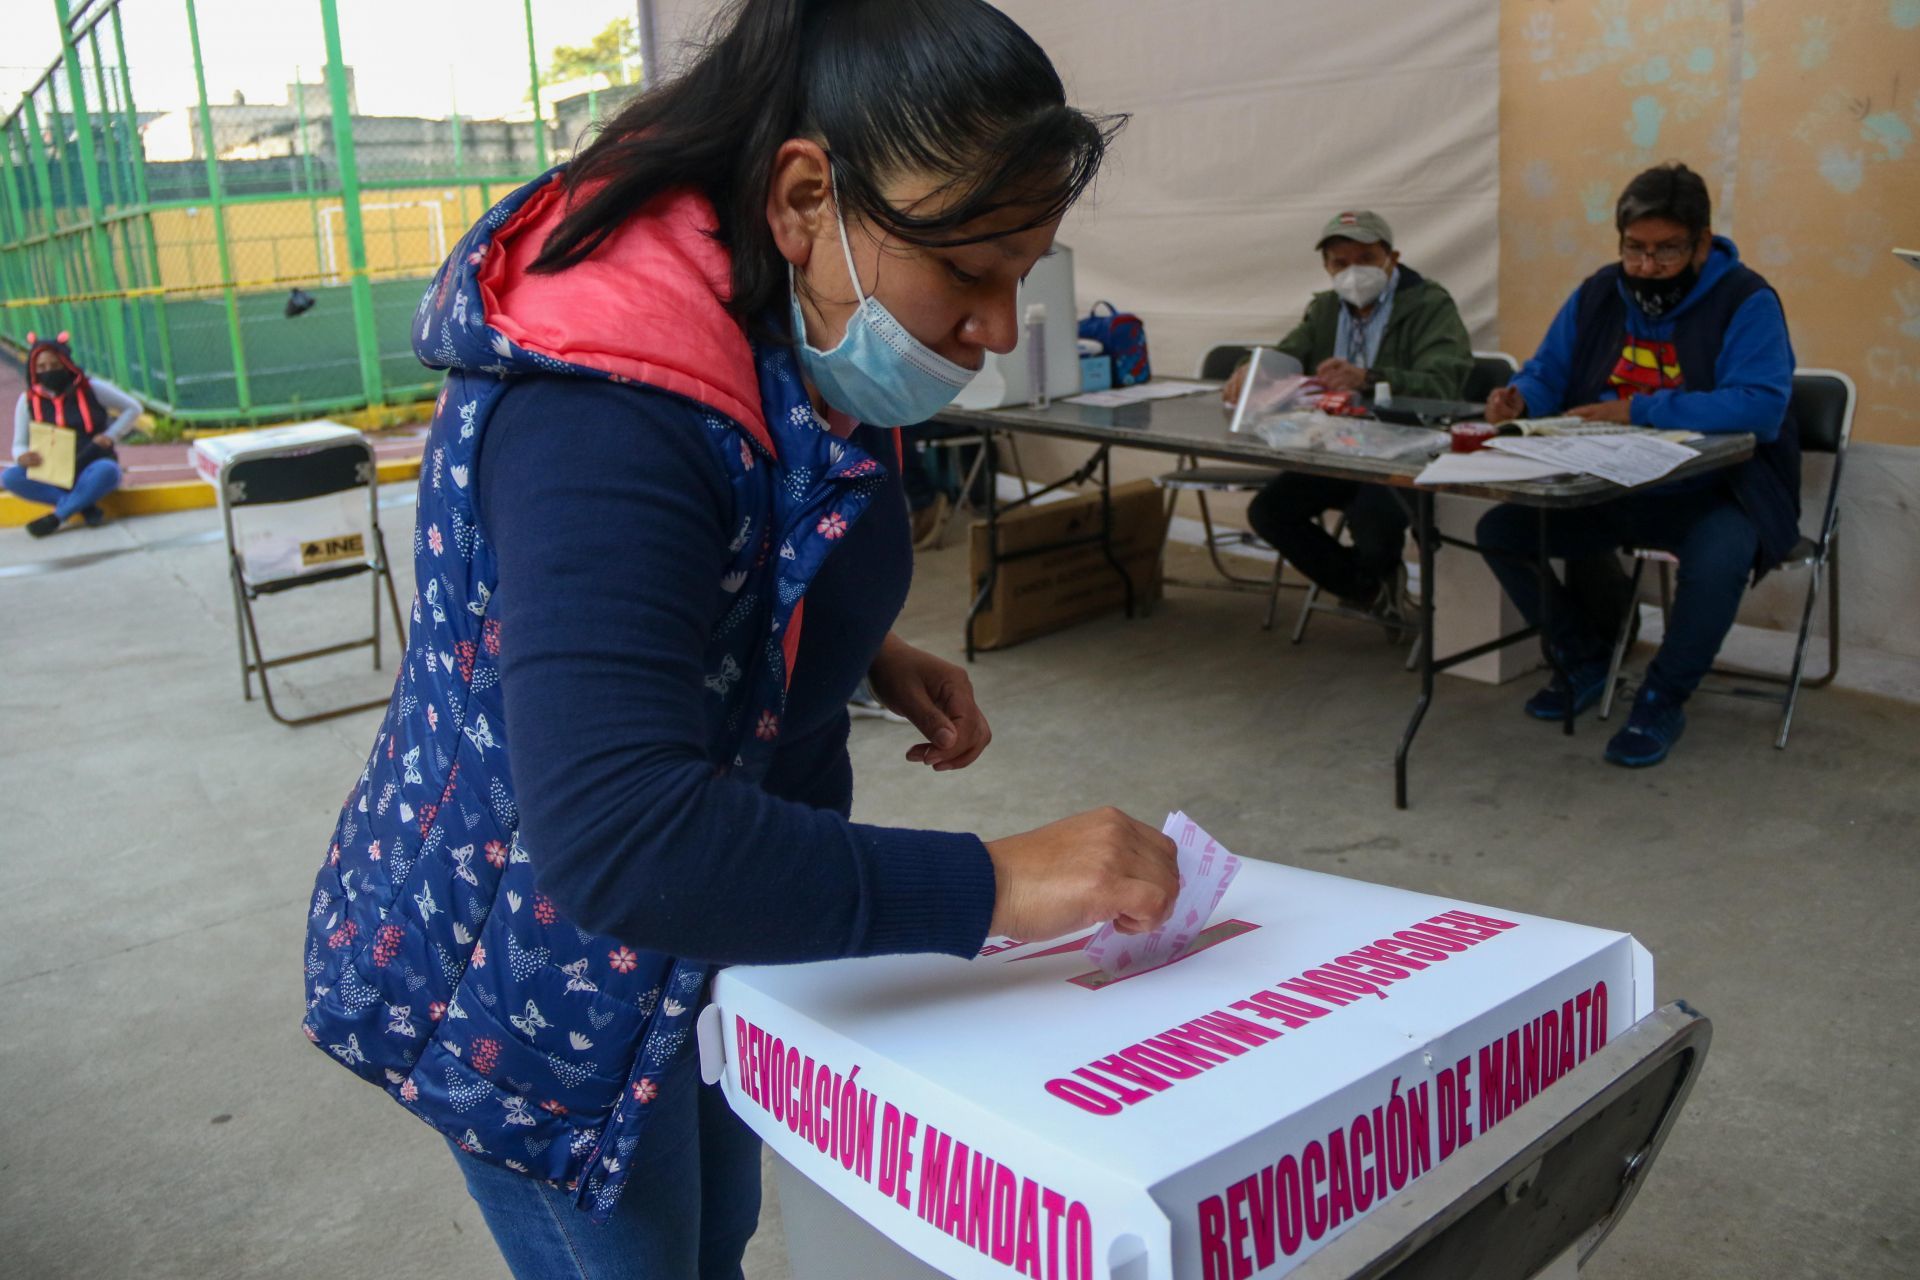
(649, 306)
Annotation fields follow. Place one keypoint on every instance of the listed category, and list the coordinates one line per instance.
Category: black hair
(1671, 191)
(948, 88)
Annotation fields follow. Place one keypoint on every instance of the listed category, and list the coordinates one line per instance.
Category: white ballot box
(1324, 1045)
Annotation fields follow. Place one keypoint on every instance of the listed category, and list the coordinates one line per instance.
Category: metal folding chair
(986, 445)
(291, 520)
(1491, 370)
(1190, 477)
(1409, 627)
(1822, 406)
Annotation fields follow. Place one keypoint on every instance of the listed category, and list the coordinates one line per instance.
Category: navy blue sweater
(607, 507)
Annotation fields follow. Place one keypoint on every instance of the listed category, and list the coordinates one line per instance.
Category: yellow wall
(286, 239)
(1822, 103)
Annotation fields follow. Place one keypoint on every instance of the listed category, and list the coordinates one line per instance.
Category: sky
(410, 57)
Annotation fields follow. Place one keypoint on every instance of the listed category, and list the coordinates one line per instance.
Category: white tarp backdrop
(1253, 122)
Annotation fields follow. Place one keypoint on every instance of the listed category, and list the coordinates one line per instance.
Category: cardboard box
(1023, 1114)
(1036, 594)
(1096, 372)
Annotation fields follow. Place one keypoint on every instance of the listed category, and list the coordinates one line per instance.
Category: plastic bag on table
(1274, 384)
(1349, 437)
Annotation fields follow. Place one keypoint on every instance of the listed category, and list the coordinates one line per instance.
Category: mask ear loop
(846, 247)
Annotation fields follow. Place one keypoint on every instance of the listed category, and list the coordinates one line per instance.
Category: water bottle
(1037, 354)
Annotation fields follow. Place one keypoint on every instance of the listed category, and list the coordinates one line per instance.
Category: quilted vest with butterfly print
(434, 967)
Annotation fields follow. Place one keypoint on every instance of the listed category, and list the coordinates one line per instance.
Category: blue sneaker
(1655, 725)
(1582, 686)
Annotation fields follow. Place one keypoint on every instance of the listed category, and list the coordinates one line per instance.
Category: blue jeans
(691, 1203)
(1705, 528)
(98, 479)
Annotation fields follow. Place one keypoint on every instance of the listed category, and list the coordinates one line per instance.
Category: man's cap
(1363, 225)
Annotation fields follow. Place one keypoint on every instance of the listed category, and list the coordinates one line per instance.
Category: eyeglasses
(1662, 255)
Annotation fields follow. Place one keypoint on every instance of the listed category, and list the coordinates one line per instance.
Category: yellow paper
(57, 447)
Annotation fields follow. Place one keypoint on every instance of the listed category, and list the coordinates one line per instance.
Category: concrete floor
(161, 1116)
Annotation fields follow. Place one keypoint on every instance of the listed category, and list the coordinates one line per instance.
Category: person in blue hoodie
(1677, 335)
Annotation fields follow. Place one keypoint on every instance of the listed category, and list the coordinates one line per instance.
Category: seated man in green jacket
(1380, 322)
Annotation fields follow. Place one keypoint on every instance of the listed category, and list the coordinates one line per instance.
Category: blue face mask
(879, 373)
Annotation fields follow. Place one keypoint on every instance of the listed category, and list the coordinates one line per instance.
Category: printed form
(1626, 458)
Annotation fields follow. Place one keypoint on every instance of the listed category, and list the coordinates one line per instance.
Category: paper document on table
(1157, 389)
(1628, 459)
(1205, 872)
(58, 448)
(1484, 466)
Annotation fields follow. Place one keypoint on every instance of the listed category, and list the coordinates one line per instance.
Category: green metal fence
(169, 237)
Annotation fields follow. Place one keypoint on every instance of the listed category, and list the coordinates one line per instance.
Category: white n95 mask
(1359, 286)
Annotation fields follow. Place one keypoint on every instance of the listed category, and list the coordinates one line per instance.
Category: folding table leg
(1429, 538)
(1019, 468)
(965, 503)
(984, 589)
(1106, 525)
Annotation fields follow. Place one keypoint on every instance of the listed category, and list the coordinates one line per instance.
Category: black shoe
(1655, 725)
(1387, 604)
(45, 525)
(94, 516)
(1581, 686)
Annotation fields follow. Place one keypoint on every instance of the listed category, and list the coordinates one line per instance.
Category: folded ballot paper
(1205, 872)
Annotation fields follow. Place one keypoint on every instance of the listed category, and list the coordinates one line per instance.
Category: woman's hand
(936, 697)
(1080, 871)
(28, 459)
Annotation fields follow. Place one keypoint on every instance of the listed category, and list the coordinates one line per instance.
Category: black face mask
(1657, 297)
(58, 381)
